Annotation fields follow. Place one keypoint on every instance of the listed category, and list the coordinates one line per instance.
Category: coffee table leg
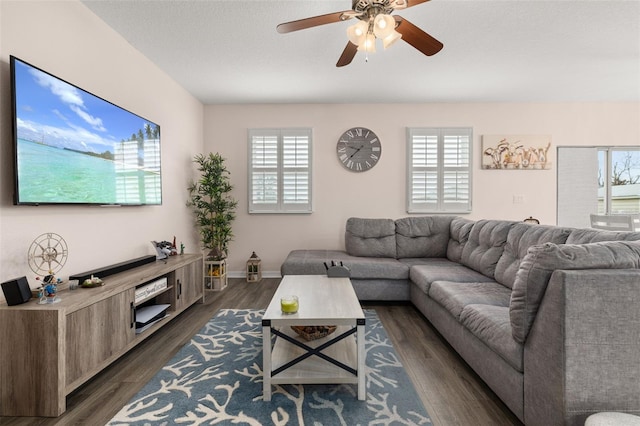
(266, 360)
(362, 391)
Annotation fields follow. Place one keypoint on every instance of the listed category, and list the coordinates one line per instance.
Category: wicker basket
(313, 332)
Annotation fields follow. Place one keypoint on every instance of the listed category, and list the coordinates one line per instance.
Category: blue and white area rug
(216, 379)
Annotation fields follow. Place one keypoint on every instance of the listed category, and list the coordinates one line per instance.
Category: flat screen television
(72, 147)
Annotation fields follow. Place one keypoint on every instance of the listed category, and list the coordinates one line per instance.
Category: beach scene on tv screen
(75, 147)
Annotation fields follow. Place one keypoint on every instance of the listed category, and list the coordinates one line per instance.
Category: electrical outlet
(518, 199)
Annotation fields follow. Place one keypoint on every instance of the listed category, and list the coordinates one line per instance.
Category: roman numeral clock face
(359, 149)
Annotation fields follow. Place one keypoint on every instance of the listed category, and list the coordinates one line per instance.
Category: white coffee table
(337, 358)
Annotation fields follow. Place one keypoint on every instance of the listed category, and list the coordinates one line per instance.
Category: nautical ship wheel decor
(47, 255)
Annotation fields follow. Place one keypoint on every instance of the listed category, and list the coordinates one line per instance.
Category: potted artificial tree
(214, 210)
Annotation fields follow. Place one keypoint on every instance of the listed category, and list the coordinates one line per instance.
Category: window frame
(608, 198)
(439, 205)
(280, 206)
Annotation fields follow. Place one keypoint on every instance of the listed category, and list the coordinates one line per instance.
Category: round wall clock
(359, 149)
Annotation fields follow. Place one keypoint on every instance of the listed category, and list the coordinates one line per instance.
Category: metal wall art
(516, 152)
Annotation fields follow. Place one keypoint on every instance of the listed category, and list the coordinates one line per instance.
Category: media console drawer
(47, 351)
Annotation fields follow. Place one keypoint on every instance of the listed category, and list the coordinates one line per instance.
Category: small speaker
(16, 291)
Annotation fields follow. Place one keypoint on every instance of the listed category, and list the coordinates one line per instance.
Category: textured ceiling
(228, 51)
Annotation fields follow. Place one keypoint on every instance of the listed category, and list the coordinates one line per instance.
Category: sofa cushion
(584, 236)
(458, 237)
(370, 237)
(376, 268)
(485, 245)
(311, 262)
(425, 236)
(542, 260)
(522, 236)
(425, 271)
(454, 296)
(491, 324)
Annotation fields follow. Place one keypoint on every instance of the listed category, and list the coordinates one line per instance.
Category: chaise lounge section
(547, 316)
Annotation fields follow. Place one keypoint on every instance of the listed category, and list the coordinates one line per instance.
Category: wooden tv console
(47, 351)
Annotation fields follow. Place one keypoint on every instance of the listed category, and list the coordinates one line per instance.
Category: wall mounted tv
(72, 147)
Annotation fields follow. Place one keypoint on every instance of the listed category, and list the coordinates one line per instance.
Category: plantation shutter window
(279, 171)
(295, 169)
(264, 178)
(439, 170)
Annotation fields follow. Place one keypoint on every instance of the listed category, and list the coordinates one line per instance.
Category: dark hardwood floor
(451, 392)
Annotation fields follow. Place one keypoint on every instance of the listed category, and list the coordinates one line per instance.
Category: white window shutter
(295, 161)
(280, 171)
(439, 170)
(264, 166)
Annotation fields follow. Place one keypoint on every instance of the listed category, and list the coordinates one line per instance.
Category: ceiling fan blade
(348, 54)
(314, 21)
(417, 38)
(403, 4)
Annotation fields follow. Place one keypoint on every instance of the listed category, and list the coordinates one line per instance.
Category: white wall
(380, 192)
(68, 40)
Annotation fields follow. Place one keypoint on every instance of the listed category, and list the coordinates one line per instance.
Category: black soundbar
(114, 269)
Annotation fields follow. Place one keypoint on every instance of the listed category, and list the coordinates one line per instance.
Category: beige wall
(68, 40)
(380, 192)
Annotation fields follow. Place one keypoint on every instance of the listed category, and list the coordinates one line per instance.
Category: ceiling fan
(375, 22)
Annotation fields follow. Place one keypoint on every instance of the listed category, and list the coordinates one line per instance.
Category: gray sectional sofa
(548, 317)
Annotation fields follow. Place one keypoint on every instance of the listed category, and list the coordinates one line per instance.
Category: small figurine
(50, 287)
(50, 290)
(181, 248)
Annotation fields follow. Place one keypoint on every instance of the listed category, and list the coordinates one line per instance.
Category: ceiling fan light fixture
(383, 25)
(357, 32)
(368, 44)
(374, 22)
(390, 40)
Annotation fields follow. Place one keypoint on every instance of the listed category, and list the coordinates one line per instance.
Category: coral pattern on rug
(216, 379)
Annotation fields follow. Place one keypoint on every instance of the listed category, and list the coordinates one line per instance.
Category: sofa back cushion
(584, 236)
(424, 236)
(521, 237)
(458, 236)
(485, 245)
(370, 237)
(542, 260)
